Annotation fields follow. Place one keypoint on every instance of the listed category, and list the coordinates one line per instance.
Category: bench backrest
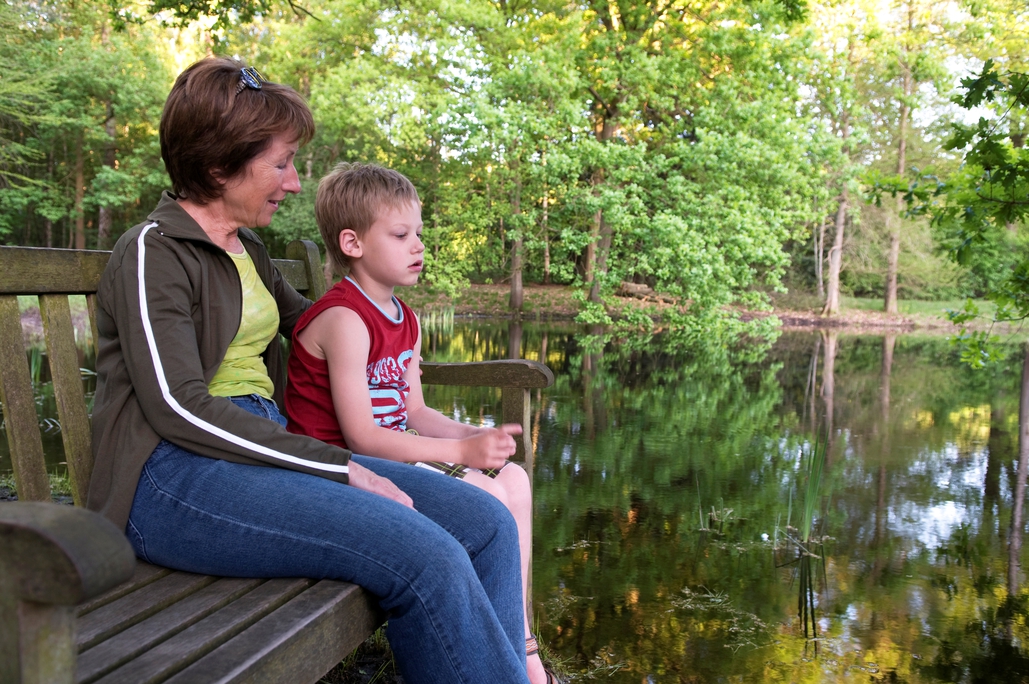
(53, 275)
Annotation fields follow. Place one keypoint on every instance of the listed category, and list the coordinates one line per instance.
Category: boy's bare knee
(515, 482)
(488, 484)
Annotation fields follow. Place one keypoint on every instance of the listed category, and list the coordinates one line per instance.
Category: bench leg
(37, 643)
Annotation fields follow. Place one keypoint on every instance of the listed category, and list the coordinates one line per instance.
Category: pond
(672, 484)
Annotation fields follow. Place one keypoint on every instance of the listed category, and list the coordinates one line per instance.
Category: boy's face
(390, 251)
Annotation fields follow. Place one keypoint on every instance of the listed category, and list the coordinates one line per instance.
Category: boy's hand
(362, 478)
(491, 447)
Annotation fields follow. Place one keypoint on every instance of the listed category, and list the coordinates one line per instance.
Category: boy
(353, 368)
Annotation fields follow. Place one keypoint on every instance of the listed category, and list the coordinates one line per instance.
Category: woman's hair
(352, 196)
(213, 124)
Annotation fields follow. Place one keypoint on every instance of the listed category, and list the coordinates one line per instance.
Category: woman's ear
(350, 244)
(219, 176)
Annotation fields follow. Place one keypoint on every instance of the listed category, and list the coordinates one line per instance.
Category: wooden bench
(75, 605)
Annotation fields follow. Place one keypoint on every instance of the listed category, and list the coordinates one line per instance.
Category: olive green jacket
(170, 302)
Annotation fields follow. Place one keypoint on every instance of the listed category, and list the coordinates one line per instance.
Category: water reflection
(669, 475)
(666, 475)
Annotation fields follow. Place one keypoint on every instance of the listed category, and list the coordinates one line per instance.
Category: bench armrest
(53, 557)
(60, 555)
(515, 377)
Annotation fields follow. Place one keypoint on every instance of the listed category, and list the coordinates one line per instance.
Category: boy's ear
(350, 244)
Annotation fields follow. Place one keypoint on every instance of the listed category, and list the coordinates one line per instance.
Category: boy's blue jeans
(447, 573)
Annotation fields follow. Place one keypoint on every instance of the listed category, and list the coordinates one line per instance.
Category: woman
(186, 423)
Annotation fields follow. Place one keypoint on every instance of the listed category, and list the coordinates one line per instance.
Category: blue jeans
(447, 573)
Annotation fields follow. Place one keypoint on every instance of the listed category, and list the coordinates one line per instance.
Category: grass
(799, 300)
(370, 663)
(60, 483)
(916, 307)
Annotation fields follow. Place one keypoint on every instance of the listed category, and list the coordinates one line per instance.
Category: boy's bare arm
(340, 337)
(424, 420)
(496, 442)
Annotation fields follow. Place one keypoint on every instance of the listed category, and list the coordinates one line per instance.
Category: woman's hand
(490, 447)
(362, 478)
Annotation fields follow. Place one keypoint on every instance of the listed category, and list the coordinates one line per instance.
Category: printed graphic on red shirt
(388, 390)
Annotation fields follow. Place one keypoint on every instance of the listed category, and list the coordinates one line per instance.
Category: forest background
(715, 151)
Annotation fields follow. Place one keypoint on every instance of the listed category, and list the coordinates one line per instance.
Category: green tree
(989, 195)
(92, 144)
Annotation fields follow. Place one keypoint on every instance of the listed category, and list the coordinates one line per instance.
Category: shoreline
(559, 303)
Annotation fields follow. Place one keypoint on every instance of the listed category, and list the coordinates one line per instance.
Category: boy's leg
(447, 587)
(511, 486)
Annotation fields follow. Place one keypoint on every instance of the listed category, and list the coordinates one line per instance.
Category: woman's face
(252, 196)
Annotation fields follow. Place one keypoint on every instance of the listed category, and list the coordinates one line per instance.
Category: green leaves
(980, 88)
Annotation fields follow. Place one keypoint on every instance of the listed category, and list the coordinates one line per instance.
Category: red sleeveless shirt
(308, 398)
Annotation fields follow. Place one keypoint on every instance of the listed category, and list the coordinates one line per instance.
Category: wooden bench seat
(75, 606)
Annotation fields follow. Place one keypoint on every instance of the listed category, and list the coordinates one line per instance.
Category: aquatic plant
(807, 547)
(437, 319)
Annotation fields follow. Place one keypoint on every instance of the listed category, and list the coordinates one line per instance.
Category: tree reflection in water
(639, 443)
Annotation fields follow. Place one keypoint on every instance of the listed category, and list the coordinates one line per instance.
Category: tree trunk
(1017, 523)
(602, 229)
(80, 194)
(832, 299)
(48, 225)
(820, 258)
(890, 305)
(105, 218)
(893, 259)
(546, 236)
(1017, 136)
(517, 292)
(591, 249)
(603, 247)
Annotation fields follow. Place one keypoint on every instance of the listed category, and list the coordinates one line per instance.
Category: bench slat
(19, 407)
(306, 253)
(39, 270)
(294, 272)
(42, 270)
(124, 646)
(186, 647)
(143, 575)
(70, 398)
(91, 307)
(298, 643)
(137, 606)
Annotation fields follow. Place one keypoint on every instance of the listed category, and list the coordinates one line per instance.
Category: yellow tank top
(243, 371)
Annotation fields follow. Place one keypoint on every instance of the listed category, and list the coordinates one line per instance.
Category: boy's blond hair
(351, 197)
